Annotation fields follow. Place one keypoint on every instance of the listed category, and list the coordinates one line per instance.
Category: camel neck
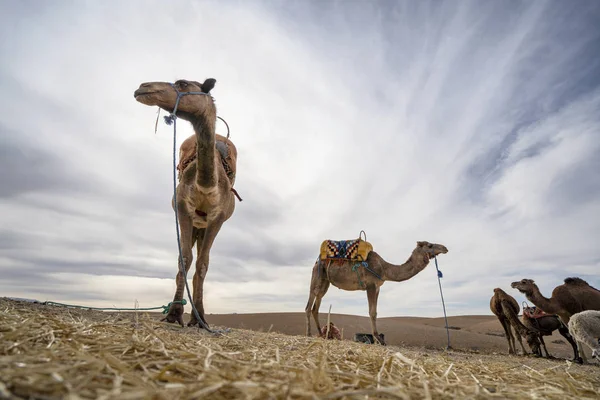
(204, 128)
(542, 302)
(398, 273)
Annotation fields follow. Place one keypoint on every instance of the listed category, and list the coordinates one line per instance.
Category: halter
(172, 117)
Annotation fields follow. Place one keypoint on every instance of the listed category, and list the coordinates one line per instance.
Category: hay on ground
(56, 353)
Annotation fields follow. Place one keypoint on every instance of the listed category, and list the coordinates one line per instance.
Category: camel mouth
(140, 93)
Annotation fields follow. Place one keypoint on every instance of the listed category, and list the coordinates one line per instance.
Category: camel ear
(208, 85)
(421, 244)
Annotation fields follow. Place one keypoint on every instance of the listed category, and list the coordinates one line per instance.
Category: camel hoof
(173, 319)
(194, 321)
(175, 315)
(578, 360)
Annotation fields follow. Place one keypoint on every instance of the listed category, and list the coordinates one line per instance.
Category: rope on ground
(164, 308)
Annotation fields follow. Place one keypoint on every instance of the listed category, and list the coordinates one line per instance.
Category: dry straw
(56, 353)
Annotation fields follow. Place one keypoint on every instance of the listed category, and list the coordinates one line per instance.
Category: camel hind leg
(508, 333)
(318, 287)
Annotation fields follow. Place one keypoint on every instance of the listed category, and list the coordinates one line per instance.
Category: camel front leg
(520, 342)
(372, 296)
(544, 344)
(564, 331)
(204, 246)
(187, 239)
(580, 357)
(315, 283)
(321, 291)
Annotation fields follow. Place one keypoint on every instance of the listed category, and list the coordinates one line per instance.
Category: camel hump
(576, 281)
(356, 249)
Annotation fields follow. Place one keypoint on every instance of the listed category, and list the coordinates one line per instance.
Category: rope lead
(439, 276)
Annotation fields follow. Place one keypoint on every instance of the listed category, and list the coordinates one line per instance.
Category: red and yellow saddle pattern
(534, 312)
(356, 249)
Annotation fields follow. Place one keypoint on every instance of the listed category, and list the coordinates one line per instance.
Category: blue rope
(439, 276)
(172, 119)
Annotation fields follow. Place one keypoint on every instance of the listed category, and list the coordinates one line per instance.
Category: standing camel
(573, 296)
(506, 308)
(350, 275)
(204, 194)
(537, 320)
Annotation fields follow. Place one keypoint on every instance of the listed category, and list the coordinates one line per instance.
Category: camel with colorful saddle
(353, 265)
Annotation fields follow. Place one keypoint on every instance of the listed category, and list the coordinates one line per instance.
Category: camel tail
(510, 313)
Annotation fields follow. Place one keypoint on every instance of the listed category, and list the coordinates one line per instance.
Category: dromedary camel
(537, 320)
(506, 308)
(585, 326)
(573, 296)
(345, 275)
(204, 194)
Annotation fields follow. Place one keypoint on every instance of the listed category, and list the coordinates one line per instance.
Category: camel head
(525, 286)
(164, 95)
(430, 249)
(533, 340)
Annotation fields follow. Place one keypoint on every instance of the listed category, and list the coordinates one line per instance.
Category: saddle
(226, 148)
(356, 249)
(534, 313)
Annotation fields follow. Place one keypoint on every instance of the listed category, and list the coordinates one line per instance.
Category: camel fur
(346, 275)
(334, 332)
(506, 309)
(573, 296)
(204, 194)
(585, 327)
(535, 319)
(188, 152)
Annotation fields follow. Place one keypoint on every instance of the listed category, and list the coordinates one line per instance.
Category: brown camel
(350, 275)
(537, 320)
(573, 296)
(506, 308)
(204, 194)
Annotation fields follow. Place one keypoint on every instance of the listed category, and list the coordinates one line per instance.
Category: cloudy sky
(471, 124)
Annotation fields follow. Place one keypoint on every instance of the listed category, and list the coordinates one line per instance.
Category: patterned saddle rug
(356, 249)
(534, 312)
(226, 148)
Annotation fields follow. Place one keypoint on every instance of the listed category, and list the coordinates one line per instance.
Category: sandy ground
(54, 353)
(470, 333)
(474, 333)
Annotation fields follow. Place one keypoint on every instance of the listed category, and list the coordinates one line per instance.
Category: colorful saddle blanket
(534, 312)
(356, 249)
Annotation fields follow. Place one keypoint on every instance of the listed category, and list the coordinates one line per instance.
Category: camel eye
(182, 84)
(430, 246)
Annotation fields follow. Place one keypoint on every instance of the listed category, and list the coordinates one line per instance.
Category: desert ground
(53, 352)
(475, 333)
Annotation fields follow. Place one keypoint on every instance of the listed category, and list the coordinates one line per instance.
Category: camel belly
(199, 219)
